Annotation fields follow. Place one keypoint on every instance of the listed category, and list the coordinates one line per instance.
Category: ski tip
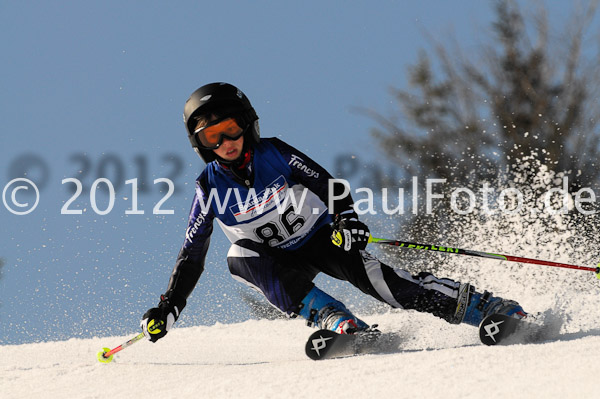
(319, 344)
(598, 272)
(102, 358)
(496, 327)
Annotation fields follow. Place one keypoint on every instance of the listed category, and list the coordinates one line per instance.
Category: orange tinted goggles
(211, 136)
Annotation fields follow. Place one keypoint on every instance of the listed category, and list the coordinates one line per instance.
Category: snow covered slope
(265, 359)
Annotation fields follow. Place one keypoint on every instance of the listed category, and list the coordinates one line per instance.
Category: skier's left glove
(156, 322)
(349, 232)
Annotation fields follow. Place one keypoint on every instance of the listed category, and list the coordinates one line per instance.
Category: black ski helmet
(225, 100)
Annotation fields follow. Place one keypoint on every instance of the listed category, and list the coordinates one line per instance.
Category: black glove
(349, 232)
(156, 322)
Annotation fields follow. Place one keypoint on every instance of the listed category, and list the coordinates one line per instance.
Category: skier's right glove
(156, 322)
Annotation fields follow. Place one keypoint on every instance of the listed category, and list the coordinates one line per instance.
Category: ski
(327, 344)
(502, 329)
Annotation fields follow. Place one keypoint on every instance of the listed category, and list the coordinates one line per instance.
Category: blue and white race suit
(277, 217)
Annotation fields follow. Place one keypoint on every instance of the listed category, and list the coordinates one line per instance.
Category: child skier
(280, 251)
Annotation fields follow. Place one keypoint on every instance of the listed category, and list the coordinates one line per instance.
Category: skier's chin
(232, 156)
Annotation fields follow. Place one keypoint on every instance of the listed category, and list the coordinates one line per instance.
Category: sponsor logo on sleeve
(298, 163)
(193, 229)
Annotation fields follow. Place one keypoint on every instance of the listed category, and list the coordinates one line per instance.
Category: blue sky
(97, 88)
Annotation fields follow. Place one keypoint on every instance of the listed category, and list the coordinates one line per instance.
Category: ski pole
(460, 251)
(106, 354)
